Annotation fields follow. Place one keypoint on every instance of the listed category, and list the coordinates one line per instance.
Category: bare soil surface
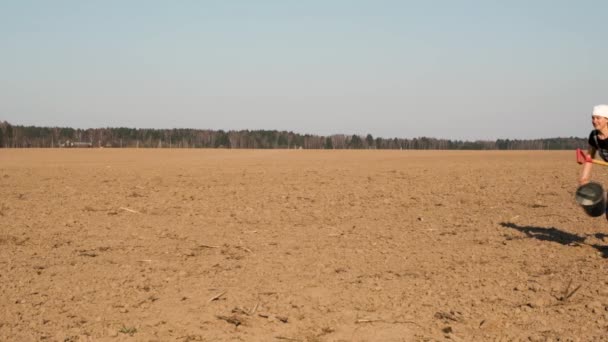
(286, 245)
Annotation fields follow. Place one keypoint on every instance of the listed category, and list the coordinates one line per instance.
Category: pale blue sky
(446, 69)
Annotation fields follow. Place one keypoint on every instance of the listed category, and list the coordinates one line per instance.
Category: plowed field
(298, 245)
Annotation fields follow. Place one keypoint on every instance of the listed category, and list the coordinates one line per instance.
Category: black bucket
(591, 197)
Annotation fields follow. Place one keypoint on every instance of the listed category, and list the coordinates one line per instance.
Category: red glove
(582, 157)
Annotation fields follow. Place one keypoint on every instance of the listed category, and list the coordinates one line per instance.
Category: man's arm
(586, 173)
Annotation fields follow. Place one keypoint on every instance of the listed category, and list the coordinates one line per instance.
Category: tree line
(15, 136)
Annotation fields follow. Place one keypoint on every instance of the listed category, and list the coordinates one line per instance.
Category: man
(598, 140)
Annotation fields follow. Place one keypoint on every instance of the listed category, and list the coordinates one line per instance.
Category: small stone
(536, 303)
(534, 287)
(489, 324)
(520, 287)
(594, 305)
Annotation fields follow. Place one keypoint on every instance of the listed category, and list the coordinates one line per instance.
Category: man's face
(599, 122)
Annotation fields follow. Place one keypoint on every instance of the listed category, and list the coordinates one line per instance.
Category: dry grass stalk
(567, 294)
(360, 321)
(231, 319)
(217, 296)
(286, 338)
(253, 310)
(207, 246)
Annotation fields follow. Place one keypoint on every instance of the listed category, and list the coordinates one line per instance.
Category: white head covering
(601, 110)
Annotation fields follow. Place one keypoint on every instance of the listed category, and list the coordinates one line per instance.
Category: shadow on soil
(555, 235)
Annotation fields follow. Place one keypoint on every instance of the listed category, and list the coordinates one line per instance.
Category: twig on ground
(286, 338)
(360, 321)
(571, 293)
(207, 246)
(252, 311)
(217, 296)
(567, 289)
(244, 248)
(567, 293)
(129, 210)
(368, 321)
(230, 319)
(240, 310)
(452, 316)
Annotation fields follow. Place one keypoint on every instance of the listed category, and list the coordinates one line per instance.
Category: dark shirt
(600, 145)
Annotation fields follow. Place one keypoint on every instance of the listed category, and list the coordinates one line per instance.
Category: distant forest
(14, 136)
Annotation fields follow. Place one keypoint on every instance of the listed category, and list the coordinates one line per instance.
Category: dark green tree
(222, 140)
(369, 140)
(355, 142)
(282, 141)
(9, 136)
(380, 143)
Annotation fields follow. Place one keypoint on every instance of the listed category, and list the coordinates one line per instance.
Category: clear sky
(452, 69)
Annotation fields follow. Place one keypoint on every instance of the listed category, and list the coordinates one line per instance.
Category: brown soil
(275, 245)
